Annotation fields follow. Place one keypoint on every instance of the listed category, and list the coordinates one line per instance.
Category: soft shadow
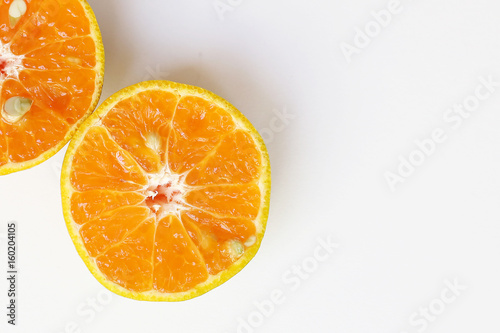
(118, 55)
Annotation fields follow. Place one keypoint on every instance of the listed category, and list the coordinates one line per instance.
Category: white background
(352, 122)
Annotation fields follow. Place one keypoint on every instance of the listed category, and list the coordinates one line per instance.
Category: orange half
(51, 75)
(165, 191)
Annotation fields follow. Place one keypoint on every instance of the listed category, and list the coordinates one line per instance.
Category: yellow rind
(66, 191)
(99, 69)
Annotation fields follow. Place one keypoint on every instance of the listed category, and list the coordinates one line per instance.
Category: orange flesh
(165, 191)
(48, 56)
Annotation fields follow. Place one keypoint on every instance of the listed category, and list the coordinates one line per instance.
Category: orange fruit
(51, 75)
(165, 191)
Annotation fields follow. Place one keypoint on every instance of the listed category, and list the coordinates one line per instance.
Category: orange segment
(222, 228)
(88, 205)
(197, 128)
(214, 235)
(178, 263)
(11, 88)
(74, 53)
(112, 227)
(128, 263)
(66, 92)
(238, 200)
(141, 126)
(100, 163)
(32, 135)
(51, 75)
(208, 246)
(236, 161)
(165, 191)
(53, 21)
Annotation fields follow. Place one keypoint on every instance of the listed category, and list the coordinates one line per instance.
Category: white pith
(153, 141)
(171, 186)
(13, 63)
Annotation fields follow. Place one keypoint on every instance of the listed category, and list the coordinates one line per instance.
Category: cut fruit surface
(51, 75)
(165, 191)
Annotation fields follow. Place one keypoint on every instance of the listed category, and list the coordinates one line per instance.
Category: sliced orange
(51, 75)
(165, 191)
